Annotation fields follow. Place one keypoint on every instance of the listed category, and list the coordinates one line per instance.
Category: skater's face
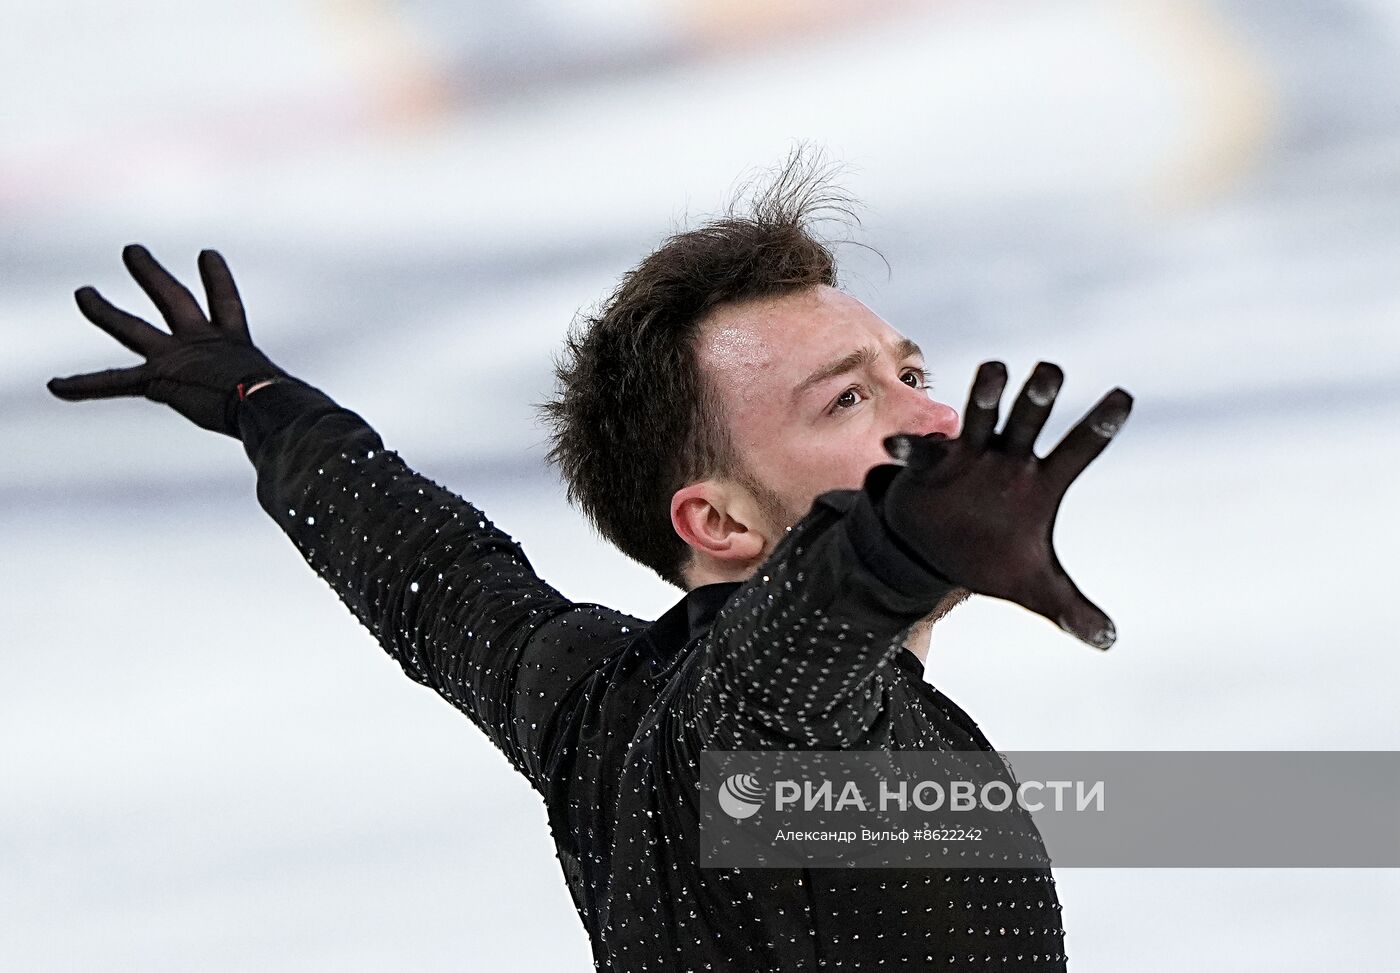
(810, 383)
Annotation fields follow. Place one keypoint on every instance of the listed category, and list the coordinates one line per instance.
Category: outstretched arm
(446, 593)
(795, 657)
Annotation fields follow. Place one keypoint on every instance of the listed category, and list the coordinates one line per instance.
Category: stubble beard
(919, 632)
(775, 509)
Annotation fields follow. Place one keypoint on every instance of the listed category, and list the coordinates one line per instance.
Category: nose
(922, 415)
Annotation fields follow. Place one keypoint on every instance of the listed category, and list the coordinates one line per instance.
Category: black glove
(198, 368)
(980, 509)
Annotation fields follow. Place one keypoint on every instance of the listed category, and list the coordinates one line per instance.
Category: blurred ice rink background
(206, 764)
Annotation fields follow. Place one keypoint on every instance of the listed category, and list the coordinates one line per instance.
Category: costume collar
(702, 604)
(686, 620)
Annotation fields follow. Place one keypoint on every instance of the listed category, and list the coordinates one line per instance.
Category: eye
(848, 399)
(919, 375)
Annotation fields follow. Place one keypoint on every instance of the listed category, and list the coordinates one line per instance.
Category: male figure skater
(726, 418)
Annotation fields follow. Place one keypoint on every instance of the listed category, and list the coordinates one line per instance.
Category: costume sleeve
(447, 594)
(798, 655)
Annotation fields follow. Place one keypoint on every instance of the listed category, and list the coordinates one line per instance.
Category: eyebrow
(861, 357)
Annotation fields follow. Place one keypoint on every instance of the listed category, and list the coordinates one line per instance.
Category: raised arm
(796, 654)
(444, 591)
(447, 594)
(795, 657)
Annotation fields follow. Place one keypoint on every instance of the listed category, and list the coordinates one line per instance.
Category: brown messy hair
(633, 419)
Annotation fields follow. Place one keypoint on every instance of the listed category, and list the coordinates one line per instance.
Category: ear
(718, 522)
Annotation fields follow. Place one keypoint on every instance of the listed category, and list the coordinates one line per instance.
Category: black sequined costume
(606, 714)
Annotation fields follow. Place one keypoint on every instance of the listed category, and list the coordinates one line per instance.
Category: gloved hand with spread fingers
(200, 369)
(980, 509)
